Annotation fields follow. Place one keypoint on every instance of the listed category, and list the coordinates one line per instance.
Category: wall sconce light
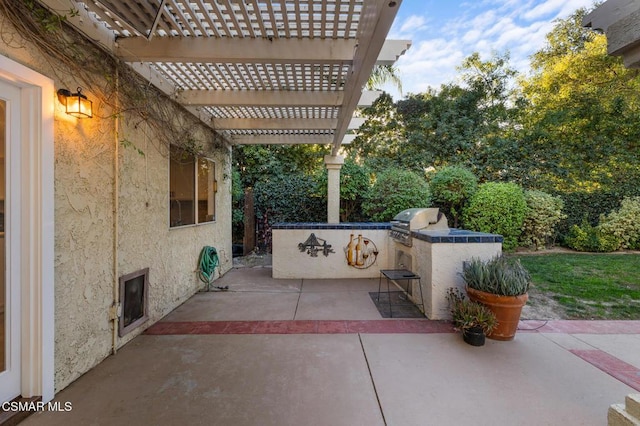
(76, 104)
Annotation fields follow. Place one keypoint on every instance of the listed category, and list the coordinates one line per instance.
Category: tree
(291, 197)
(492, 82)
(583, 113)
(382, 74)
(567, 37)
(440, 127)
(379, 138)
(451, 187)
(257, 163)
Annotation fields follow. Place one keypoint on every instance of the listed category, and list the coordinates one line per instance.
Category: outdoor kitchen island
(362, 250)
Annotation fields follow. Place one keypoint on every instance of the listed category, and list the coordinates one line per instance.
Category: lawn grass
(587, 286)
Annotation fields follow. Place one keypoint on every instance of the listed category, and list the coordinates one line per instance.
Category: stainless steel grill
(411, 220)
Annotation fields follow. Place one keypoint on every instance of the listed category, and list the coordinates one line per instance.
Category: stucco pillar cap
(333, 161)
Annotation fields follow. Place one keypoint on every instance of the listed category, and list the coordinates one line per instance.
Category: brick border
(300, 327)
(616, 368)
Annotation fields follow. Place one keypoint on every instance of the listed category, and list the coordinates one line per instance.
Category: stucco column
(334, 164)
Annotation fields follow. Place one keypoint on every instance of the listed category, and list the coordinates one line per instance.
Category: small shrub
(501, 275)
(286, 198)
(395, 190)
(590, 238)
(451, 187)
(498, 208)
(624, 223)
(543, 213)
(467, 314)
(590, 205)
(237, 203)
(289, 198)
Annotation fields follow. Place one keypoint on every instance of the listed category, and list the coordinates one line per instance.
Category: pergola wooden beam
(259, 98)
(235, 50)
(247, 50)
(368, 97)
(82, 21)
(392, 50)
(618, 19)
(376, 20)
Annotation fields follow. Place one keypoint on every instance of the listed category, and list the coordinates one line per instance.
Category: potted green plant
(474, 320)
(501, 284)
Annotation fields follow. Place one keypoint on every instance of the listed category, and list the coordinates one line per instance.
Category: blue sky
(445, 32)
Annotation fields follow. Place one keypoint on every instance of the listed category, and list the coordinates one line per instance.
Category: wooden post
(249, 238)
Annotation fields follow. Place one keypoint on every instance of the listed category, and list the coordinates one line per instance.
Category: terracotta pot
(506, 308)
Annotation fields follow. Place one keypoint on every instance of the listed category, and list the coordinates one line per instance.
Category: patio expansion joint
(373, 383)
(295, 313)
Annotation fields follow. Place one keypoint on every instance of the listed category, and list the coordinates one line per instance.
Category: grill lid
(418, 218)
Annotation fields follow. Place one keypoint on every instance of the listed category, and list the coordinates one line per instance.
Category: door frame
(12, 374)
(36, 163)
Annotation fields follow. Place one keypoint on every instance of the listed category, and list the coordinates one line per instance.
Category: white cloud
(412, 24)
(544, 9)
(487, 26)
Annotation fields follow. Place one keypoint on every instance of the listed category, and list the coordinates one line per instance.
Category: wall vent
(134, 288)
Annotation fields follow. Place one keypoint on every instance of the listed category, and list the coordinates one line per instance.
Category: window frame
(194, 187)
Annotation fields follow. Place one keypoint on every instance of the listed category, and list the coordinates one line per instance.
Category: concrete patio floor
(317, 352)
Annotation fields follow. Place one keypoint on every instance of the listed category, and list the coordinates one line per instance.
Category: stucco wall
(440, 265)
(290, 262)
(85, 225)
(83, 244)
(144, 237)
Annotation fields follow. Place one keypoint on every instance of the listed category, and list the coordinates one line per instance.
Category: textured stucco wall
(290, 262)
(85, 190)
(144, 236)
(440, 265)
(83, 244)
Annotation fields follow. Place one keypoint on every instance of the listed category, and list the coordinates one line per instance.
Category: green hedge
(544, 212)
(393, 191)
(497, 208)
(590, 238)
(580, 206)
(286, 198)
(624, 223)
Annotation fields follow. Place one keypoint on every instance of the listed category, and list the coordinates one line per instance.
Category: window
(192, 188)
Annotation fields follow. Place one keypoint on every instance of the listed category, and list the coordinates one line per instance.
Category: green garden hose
(207, 265)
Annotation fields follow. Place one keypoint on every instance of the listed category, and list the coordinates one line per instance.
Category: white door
(9, 241)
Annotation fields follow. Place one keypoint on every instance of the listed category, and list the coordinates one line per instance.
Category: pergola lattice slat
(255, 63)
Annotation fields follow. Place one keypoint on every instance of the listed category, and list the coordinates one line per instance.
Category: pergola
(256, 71)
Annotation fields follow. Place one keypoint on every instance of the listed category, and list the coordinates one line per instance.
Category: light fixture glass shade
(79, 106)
(76, 104)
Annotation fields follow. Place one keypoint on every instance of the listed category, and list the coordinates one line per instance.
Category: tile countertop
(453, 235)
(343, 225)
